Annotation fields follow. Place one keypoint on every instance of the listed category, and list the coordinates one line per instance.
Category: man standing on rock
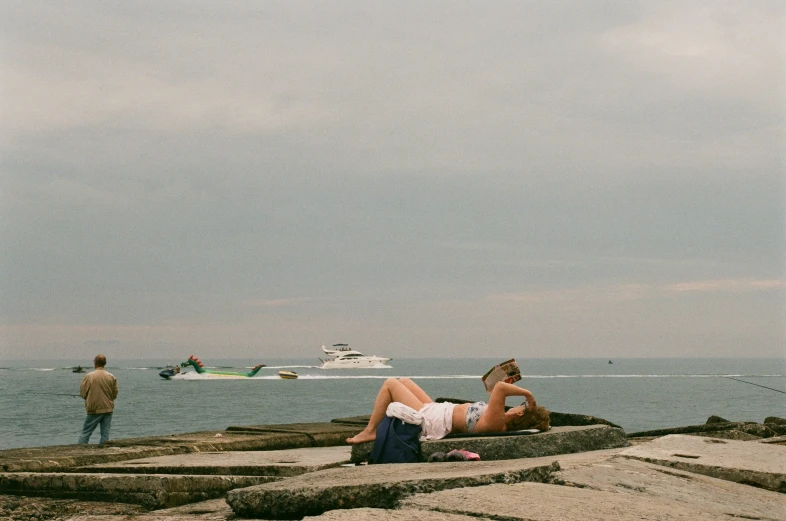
(99, 389)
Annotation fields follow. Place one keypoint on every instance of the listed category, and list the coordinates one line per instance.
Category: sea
(40, 406)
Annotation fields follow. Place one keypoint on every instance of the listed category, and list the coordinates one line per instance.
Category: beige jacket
(99, 389)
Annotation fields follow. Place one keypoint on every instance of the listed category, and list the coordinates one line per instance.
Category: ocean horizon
(39, 403)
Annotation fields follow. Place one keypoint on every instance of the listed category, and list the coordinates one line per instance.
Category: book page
(507, 371)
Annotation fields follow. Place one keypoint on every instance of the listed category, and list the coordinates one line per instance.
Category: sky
(417, 179)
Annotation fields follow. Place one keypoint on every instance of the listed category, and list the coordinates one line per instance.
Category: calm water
(638, 394)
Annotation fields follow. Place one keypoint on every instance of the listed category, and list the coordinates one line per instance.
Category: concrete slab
(376, 486)
(378, 514)
(707, 429)
(543, 502)
(558, 440)
(604, 486)
(210, 510)
(151, 490)
(638, 479)
(360, 421)
(298, 428)
(218, 510)
(745, 462)
(282, 463)
(319, 434)
(63, 457)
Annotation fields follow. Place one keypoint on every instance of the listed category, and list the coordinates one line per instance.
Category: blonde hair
(537, 418)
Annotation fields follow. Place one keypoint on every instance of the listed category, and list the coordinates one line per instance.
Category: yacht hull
(356, 364)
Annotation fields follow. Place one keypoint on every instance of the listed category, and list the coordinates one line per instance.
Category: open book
(507, 372)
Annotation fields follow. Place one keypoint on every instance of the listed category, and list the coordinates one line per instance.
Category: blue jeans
(91, 422)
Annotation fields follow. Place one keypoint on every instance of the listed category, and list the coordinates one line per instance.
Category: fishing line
(59, 394)
(757, 385)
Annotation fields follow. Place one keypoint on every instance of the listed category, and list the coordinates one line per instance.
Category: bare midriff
(460, 418)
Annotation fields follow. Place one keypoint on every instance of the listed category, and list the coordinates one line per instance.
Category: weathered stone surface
(756, 429)
(565, 419)
(610, 490)
(319, 434)
(726, 435)
(283, 463)
(376, 486)
(588, 485)
(360, 421)
(776, 440)
(670, 487)
(210, 510)
(64, 457)
(219, 441)
(377, 514)
(40, 509)
(777, 425)
(558, 440)
(150, 491)
(716, 419)
(742, 462)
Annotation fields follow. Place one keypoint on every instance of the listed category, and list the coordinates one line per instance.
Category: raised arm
(502, 390)
(493, 420)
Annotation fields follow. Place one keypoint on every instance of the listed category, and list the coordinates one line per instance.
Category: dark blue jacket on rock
(396, 442)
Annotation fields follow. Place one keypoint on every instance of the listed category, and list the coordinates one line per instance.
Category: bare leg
(419, 393)
(392, 391)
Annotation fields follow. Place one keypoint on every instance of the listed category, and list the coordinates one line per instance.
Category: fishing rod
(59, 394)
(757, 385)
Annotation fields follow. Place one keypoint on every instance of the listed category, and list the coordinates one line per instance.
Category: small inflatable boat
(287, 375)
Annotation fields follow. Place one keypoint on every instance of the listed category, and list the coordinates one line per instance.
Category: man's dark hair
(99, 361)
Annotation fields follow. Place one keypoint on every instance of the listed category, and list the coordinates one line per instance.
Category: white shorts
(437, 420)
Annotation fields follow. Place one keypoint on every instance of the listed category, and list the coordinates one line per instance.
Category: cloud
(727, 285)
(626, 292)
(194, 172)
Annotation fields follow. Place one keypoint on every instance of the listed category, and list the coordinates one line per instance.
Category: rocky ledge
(591, 470)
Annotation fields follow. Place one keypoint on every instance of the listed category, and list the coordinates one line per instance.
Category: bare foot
(362, 437)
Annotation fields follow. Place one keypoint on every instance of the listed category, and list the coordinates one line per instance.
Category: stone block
(376, 486)
(757, 429)
(327, 434)
(65, 457)
(558, 440)
(282, 463)
(151, 491)
(745, 462)
(377, 514)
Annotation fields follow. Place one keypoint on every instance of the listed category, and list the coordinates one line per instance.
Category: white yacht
(345, 358)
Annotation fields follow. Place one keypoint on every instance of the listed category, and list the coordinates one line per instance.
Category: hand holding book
(507, 372)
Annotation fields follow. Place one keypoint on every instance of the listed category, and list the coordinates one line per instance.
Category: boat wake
(291, 367)
(190, 376)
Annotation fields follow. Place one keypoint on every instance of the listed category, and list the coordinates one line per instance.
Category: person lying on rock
(441, 419)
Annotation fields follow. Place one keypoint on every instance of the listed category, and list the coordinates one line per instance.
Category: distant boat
(169, 372)
(78, 369)
(199, 367)
(345, 358)
(287, 375)
(611, 362)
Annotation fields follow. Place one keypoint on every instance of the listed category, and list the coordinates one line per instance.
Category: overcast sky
(418, 179)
